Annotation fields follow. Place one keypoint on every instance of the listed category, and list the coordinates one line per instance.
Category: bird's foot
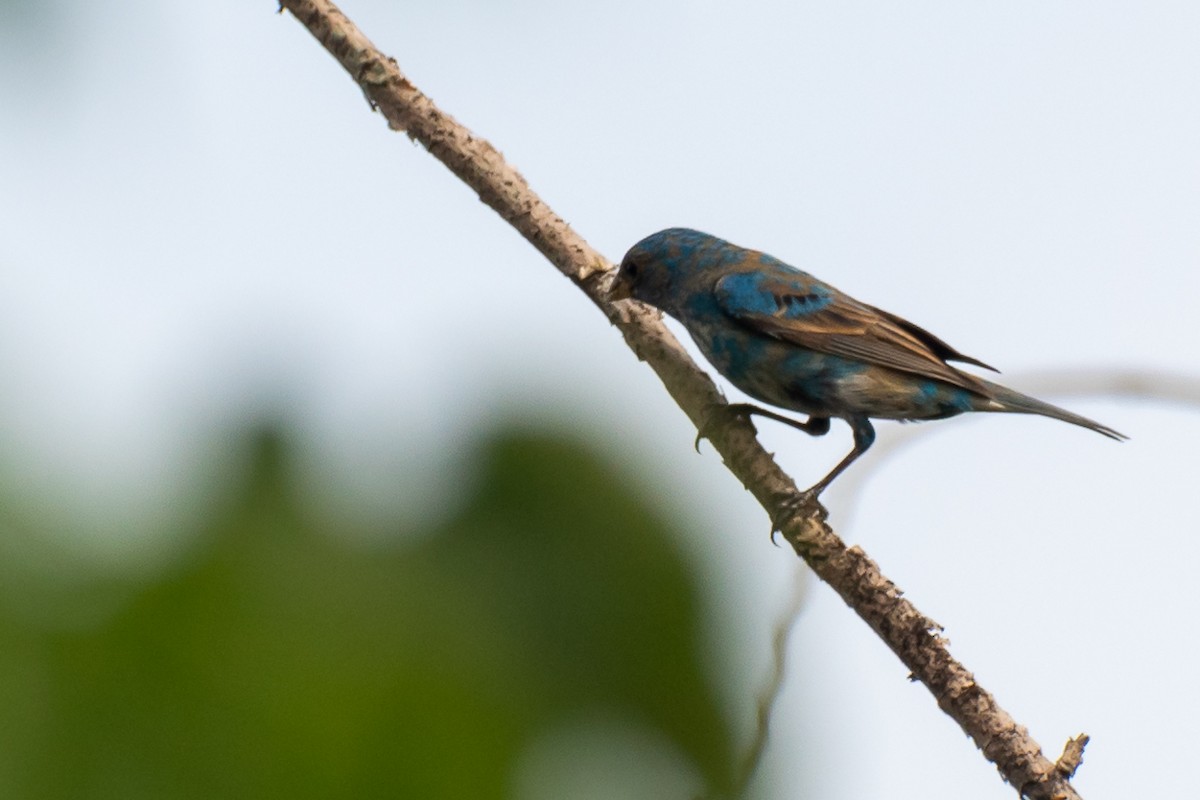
(800, 504)
(720, 416)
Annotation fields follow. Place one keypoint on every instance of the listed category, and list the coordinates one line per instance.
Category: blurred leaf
(283, 661)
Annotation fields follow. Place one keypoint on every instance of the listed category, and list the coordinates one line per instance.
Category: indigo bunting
(790, 340)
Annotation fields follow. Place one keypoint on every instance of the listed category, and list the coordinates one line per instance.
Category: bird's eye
(631, 269)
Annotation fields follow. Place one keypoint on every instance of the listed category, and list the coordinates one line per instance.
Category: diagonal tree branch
(910, 634)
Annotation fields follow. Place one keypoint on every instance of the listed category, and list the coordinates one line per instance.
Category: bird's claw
(792, 506)
(719, 415)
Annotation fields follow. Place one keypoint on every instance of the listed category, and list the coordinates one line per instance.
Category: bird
(792, 341)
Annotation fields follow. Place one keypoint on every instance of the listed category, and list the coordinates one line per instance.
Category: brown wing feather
(855, 330)
(938, 347)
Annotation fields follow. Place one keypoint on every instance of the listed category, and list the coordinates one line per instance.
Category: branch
(910, 634)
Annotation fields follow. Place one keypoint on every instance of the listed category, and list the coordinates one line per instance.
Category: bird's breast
(772, 371)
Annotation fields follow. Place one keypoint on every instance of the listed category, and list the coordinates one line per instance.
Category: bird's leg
(722, 414)
(864, 437)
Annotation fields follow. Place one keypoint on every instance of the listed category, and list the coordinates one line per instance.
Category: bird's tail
(1004, 399)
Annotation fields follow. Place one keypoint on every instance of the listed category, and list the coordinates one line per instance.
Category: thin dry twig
(1072, 755)
(910, 634)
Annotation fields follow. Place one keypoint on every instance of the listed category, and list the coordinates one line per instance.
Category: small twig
(1072, 755)
(910, 634)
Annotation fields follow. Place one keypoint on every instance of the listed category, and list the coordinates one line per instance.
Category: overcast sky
(199, 214)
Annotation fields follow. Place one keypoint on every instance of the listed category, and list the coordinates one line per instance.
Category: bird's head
(655, 269)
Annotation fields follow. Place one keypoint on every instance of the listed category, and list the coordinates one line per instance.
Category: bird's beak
(620, 289)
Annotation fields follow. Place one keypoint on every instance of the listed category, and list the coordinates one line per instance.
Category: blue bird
(790, 340)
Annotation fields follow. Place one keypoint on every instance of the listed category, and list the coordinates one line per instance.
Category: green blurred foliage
(279, 659)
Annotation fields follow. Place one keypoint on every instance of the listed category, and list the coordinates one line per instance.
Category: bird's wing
(795, 307)
(938, 347)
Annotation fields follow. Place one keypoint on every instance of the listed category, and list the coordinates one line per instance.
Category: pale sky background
(198, 213)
